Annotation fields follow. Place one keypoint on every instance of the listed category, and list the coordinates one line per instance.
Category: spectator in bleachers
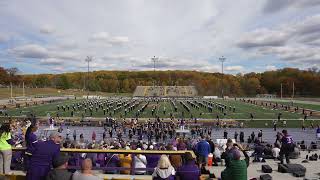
(60, 171)
(236, 169)
(86, 172)
(258, 152)
(5, 148)
(140, 162)
(164, 169)
(228, 153)
(275, 151)
(216, 155)
(203, 150)
(189, 170)
(176, 160)
(125, 161)
(42, 157)
(152, 159)
(31, 140)
(112, 160)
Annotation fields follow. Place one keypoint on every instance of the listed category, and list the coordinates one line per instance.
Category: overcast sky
(54, 36)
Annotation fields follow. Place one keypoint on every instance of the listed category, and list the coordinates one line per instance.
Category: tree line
(306, 82)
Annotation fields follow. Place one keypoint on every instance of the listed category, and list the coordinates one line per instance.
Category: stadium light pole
(88, 60)
(154, 59)
(222, 59)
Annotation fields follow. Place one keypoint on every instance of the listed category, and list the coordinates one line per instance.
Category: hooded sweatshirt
(160, 174)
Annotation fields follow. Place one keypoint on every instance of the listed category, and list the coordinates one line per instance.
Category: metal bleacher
(20, 175)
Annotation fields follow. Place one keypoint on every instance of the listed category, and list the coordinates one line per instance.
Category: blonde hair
(164, 162)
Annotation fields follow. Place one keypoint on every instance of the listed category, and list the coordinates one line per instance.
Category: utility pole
(281, 90)
(154, 59)
(292, 91)
(222, 60)
(88, 60)
(11, 90)
(23, 92)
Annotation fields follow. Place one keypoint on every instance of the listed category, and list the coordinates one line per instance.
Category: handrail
(119, 151)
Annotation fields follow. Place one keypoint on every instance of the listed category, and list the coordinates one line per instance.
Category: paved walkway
(268, 134)
(254, 169)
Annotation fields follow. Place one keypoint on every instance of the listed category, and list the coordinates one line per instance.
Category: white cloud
(51, 62)
(119, 40)
(58, 69)
(294, 42)
(100, 36)
(234, 68)
(47, 29)
(4, 38)
(271, 68)
(263, 37)
(273, 6)
(190, 34)
(30, 51)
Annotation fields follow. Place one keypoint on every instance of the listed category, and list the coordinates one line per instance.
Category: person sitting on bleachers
(60, 171)
(164, 169)
(189, 170)
(175, 159)
(236, 169)
(152, 159)
(86, 172)
(140, 162)
(216, 155)
(258, 152)
(276, 151)
(125, 161)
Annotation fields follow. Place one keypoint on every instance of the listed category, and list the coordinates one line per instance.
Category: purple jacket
(152, 160)
(31, 141)
(189, 171)
(41, 159)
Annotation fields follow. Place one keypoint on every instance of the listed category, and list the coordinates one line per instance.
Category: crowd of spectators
(43, 159)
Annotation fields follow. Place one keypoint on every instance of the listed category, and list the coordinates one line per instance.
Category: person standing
(287, 146)
(241, 137)
(236, 136)
(42, 157)
(5, 148)
(31, 140)
(252, 136)
(260, 135)
(68, 132)
(225, 134)
(203, 150)
(275, 125)
(318, 132)
(74, 135)
(94, 136)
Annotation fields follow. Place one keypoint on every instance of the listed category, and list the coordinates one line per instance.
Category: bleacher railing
(133, 153)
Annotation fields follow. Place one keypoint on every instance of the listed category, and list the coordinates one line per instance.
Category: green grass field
(243, 111)
(314, 106)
